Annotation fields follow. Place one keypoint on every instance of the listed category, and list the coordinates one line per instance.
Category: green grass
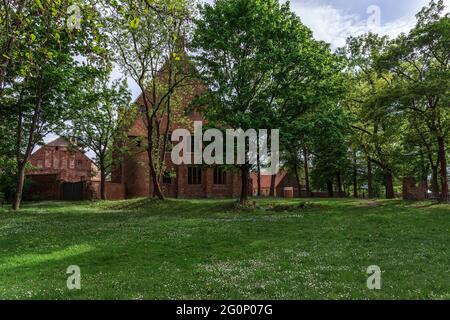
(205, 249)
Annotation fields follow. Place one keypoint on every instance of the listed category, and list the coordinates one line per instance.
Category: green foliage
(262, 67)
(419, 90)
(40, 71)
(100, 118)
(328, 136)
(148, 40)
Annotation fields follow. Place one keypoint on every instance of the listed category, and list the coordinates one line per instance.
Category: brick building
(282, 180)
(183, 181)
(59, 172)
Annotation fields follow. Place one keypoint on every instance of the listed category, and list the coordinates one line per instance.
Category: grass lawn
(206, 249)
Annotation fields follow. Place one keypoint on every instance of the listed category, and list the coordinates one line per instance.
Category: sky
(335, 20)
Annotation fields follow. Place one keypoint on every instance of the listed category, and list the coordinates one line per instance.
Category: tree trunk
(443, 170)
(244, 188)
(102, 183)
(339, 183)
(305, 164)
(154, 181)
(355, 176)
(297, 177)
(272, 185)
(19, 186)
(330, 189)
(258, 168)
(21, 164)
(434, 167)
(153, 178)
(435, 181)
(425, 170)
(389, 184)
(259, 181)
(369, 180)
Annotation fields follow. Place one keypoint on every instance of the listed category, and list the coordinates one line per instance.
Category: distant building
(59, 172)
(282, 180)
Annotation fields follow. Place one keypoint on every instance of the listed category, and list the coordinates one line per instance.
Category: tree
(330, 150)
(376, 128)
(317, 90)
(419, 64)
(99, 121)
(256, 57)
(148, 38)
(420, 156)
(42, 73)
(13, 15)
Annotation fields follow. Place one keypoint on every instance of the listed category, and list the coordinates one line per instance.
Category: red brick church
(184, 181)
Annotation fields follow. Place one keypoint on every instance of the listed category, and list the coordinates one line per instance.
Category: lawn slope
(207, 249)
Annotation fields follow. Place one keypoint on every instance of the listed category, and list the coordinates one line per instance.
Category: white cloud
(335, 26)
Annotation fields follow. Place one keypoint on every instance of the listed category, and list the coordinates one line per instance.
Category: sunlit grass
(36, 258)
(206, 249)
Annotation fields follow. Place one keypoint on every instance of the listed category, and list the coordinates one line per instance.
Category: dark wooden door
(73, 191)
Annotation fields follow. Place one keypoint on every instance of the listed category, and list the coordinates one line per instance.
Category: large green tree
(419, 63)
(149, 39)
(261, 65)
(99, 121)
(40, 72)
(376, 129)
(329, 148)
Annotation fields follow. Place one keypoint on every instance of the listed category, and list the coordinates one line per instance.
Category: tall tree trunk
(244, 188)
(389, 184)
(330, 189)
(370, 192)
(434, 166)
(102, 182)
(154, 181)
(297, 177)
(258, 168)
(355, 176)
(443, 170)
(19, 186)
(339, 183)
(153, 178)
(425, 170)
(306, 168)
(22, 161)
(435, 181)
(272, 185)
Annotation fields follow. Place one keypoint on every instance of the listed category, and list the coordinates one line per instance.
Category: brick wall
(114, 191)
(43, 187)
(288, 181)
(70, 165)
(136, 181)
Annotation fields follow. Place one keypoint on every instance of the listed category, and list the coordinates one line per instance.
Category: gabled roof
(59, 142)
(63, 142)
